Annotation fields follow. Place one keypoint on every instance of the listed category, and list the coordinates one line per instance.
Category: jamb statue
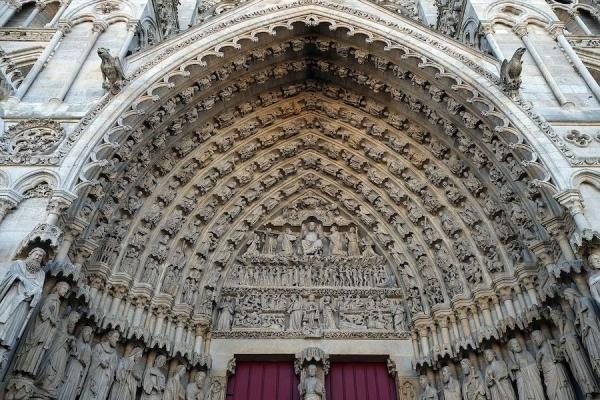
(558, 386)
(428, 392)
(311, 387)
(473, 387)
(526, 373)
(20, 291)
(497, 378)
(451, 385)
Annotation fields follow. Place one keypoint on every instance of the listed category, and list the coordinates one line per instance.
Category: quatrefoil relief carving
(578, 138)
(32, 137)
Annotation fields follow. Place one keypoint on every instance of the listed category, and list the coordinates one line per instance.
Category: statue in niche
(55, 363)
(154, 380)
(20, 291)
(586, 318)
(336, 242)
(311, 317)
(594, 277)
(227, 309)
(174, 389)
(328, 311)
(451, 385)
(525, 372)
(473, 387)
(296, 311)
(353, 239)
(311, 387)
(102, 368)
(127, 377)
(78, 365)
(575, 354)
(399, 318)
(311, 239)
(497, 378)
(188, 292)
(558, 386)
(40, 335)
(151, 272)
(253, 244)
(429, 392)
(287, 239)
(195, 389)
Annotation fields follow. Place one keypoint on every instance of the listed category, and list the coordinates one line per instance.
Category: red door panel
(263, 380)
(360, 381)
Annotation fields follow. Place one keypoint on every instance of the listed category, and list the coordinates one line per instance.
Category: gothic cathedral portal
(299, 200)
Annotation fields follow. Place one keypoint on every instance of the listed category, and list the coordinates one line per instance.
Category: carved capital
(520, 30)
(555, 29)
(486, 28)
(64, 27)
(571, 200)
(99, 26)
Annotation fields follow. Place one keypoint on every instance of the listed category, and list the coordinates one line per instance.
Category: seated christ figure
(311, 242)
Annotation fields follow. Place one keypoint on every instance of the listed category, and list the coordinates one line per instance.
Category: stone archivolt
(443, 190)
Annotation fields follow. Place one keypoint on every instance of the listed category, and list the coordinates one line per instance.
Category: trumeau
(413, 180)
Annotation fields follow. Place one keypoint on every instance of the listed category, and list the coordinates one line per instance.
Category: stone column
(521, 31)
(488, 30)
(132, 27)
(63, 29)
(63, 6)
(575, 15)
(98, 28)
(506, 295)
(557, 31)
(11, 9)
(529, 283)
(39, 6)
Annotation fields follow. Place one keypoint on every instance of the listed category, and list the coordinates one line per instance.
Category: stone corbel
(9, 199)
(309, 360)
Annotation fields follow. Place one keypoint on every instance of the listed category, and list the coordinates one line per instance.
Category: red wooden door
(263, 380)
(360, 381)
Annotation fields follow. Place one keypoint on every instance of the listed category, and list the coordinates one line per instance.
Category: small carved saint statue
(311, 387)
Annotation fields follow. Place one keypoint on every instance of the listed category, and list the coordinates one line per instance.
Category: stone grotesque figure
(41, 334)
(525, 371)
(497, 378)
(127, 377)
(510, 71)
(575, 354)
(553, 371)
(589, 326)
(154, 380)
(20, 291)
(311, 387)
(195, 389)
(102, 368)
(174, 389)
(311, 241)
(473, 387)
(451, 385)
(53, 368)
(79, 363)
(428, 392)
(112, 71)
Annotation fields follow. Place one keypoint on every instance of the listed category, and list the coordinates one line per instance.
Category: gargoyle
(112, 71)
(510, 71)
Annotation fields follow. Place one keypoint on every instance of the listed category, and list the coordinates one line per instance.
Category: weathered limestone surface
(414, 181)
